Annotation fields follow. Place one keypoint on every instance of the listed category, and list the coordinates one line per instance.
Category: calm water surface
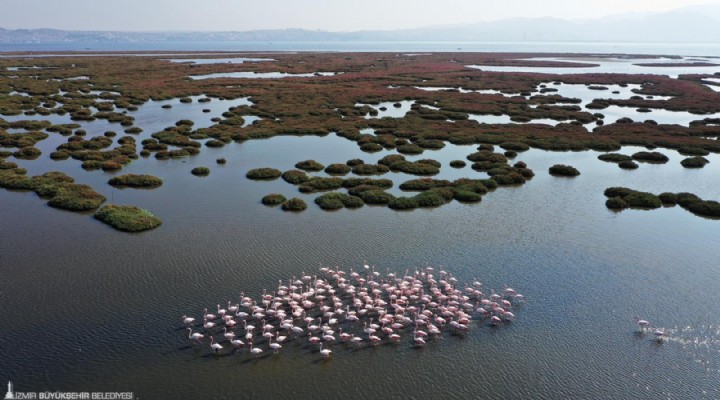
(88, 308)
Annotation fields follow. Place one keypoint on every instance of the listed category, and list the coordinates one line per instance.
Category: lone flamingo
(325, 352)
(215, 346)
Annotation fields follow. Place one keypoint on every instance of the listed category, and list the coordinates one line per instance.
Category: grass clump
(273, 199)
(563, 170)
(27, 153)
(643, 200)
(133, 180)
(309, 165)
(614, 157)
(74, 197)
(419, 185)
(127, 218)
(295, 176)
(59, 155)
(466, 196)
(317, 184)
(370, 169)
(685, 199)
(514, 146)
(694, 162)
(263, 174)
(415, 168)
(371, 147)
(510, 178)
(693, 151)
(391, 159)
(458, 163)
(338, 169)
(651, 157)
(221, 161)
(708, 208)
(616, 203)
(486, 155)
(200, 171)
(294, 204)
(376, 196)
(355, 182)
(668, 199)
(410, 148)
(354, 162)
(337, 200)
(403, 203)
(628, 164)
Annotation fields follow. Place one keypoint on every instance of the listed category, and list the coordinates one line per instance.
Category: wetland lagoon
(139, 189)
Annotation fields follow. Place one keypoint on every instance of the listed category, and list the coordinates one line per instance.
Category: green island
(620, 198)
(127, 218)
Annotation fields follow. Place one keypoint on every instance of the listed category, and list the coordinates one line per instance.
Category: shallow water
(261, 75)
(89, 308)
(607, 65)
(229, 60)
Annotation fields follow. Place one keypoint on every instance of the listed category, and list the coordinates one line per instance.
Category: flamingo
(255, 350)
(228, 335)
(659, 334)
(274, 346)
(325, 352)
(195, 336)
(215, 346)
(237, 343)
(642, 324)
(187, 320)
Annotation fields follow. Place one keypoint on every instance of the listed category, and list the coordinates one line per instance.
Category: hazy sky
(333, 15)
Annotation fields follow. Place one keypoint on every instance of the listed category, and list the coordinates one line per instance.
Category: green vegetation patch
(563, 170)
(466, 196)
(354, 182)
(486, 155)
(309, 165)
(204, 171)
(410, 148)
(514, 146)
(127, 218)
(376, 196)
(419, 185)
(317, 184)
(75, 197)
(263, 174)
(458, 163)
(133, 180)
(294, 204)
(337, 200)
(614, 157)
(693, 151)
(370, 169)
(295, 176)
(273, 199)
(338, 169)
(694, 162)
(403, 203)
(628, 164)
(651, 157)
(415, 168)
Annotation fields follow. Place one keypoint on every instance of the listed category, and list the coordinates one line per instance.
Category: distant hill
(695, 24)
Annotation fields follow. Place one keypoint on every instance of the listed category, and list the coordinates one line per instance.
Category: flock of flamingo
(355, 308)
(645, 326)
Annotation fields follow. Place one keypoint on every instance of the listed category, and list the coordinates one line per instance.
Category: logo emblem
(10, 393)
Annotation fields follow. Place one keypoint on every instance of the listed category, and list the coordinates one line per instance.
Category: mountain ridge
(693, 24)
